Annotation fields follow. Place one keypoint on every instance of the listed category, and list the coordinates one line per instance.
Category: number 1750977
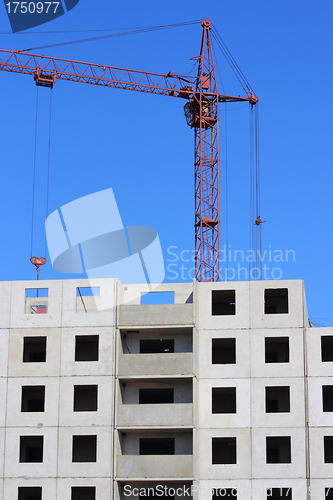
(32, 7)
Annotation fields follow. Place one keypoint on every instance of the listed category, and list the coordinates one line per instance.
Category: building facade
(223, 391)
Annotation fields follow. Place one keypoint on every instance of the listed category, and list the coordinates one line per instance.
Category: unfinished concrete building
(224, 392)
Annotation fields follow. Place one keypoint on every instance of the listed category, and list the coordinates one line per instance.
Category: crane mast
(206, 162)
(201, 111)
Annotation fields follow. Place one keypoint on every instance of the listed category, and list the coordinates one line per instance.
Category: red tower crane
(201, 111)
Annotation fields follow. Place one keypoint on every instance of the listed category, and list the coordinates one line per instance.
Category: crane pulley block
(184, 91)
(44, 80)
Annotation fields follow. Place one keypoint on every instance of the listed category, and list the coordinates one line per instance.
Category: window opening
(278, 450)
(276, 301)
(34, 349)
(31, 449)
(156, 396)
(224, 450)
(224, 400)
(327, 348)
(30, 493)
(85, 397)
(33, 398)
(157, 446)
(277, 350)
(223, 351)
(155, 346)
(84, 448)
(83, 493)
(277, 399)
(86, 347)
(223, 302)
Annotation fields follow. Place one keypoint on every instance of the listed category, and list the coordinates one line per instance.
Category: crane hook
(38, 261)
(258, 221)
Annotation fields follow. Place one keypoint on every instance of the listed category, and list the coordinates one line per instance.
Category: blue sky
(140, 145)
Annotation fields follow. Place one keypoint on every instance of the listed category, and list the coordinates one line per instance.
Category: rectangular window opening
(151, 298)
(36, 292)
(329, 493)
(327, 348)
(327, 398)
(277, 350)
(33, 398)
(88, 291)
(83, 493)
(87, 299)
(86, 347)
(30, 493)
(224, 400)
(224, 450)
(328, 449)
(278, 450)
(156, 396)
(223, 302)
(84, 448)
(34, 349)
(279, 494)
(85, 397)
(223, 351)
(276, 301)
(222, 493)
(277, 399)
(155, 346)
(31, 449)
(157, 446)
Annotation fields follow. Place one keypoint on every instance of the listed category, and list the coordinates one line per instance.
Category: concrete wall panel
(155, 364)
(243, 489)
(104, 365)
(317, 417)
(52, 318)
(208, 420)
(296, 416)
(295, 469)
(157, 314)
(167, 466)
(100, 468)
(104, 317)
(49, 487)
(103, 416)
(295, 367)
(103, 487)
(155, 415)
(204, 318)
(241, 369)
(293, 319)
(319, 469)
(298, 488)
(48, 418)
(51, 367)
(5, 299)
(316, 367)
(240, 470)
(48, 468)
